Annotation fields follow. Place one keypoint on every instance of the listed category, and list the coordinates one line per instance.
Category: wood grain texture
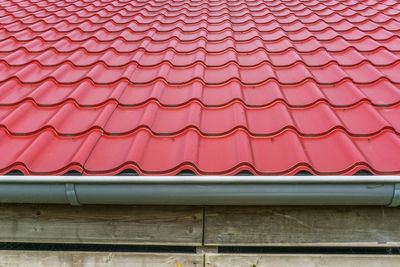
(215, 260)
(148, 225)
(302, 226)
(96, 259)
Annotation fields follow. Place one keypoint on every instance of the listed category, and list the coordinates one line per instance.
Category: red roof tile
(272, 87)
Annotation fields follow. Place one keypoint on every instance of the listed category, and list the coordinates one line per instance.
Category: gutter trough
(202, 190)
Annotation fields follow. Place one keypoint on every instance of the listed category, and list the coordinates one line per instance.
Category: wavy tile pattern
(214, 86)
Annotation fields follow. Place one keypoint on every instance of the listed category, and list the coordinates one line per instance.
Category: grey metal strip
(201, 179)
(200, 194)
(396, 196)
(71, 195)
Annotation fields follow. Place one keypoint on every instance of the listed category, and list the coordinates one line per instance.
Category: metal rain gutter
(202, 190)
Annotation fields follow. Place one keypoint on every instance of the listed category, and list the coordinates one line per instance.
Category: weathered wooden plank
(223, 260)
(302, 226)
(96, 259)
(101, 224)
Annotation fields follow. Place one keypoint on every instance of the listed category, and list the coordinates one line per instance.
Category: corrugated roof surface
(214, 86)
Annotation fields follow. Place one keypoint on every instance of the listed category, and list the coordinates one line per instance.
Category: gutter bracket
(396, 196)
(71, 195)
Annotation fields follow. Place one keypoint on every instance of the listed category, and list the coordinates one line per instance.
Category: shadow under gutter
(202, 190)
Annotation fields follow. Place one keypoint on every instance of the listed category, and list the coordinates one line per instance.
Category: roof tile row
(385, 18)
(111, 58)
(65, 45)
(130, 35)
(291, 75)
(85, 93)
(300, 9)
(141, 26)
(320, 119)
(148, 154)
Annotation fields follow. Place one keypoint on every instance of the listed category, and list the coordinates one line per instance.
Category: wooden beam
(232, 260)
(224, 226)
(144, 225)
(302, 226)
(97, 259)
(111, 259)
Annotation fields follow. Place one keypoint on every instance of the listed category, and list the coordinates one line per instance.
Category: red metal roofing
(214, 86)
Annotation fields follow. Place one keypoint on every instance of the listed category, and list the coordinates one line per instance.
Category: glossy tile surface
(214, 86)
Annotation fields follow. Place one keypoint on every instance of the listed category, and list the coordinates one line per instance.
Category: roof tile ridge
(108, 119)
